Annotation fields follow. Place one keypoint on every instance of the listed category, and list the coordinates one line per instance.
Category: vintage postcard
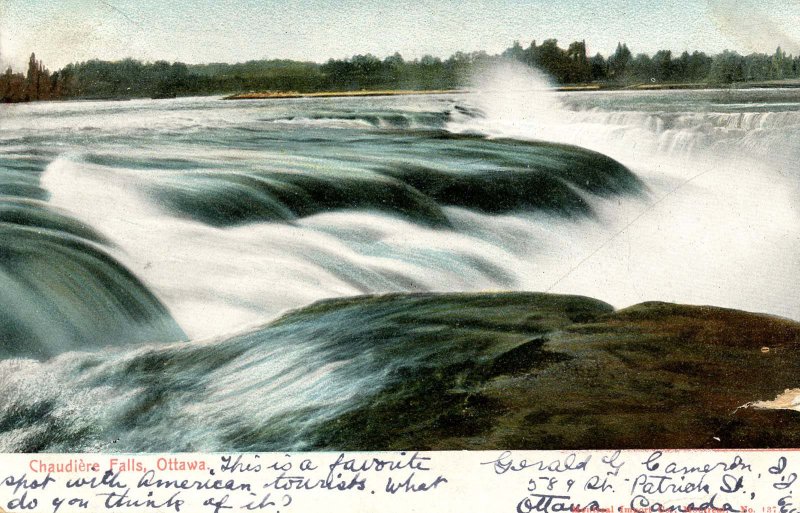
(358, 233)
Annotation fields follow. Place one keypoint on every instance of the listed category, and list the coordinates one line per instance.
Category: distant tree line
(131, 78)
(37, 85)
(572, 66)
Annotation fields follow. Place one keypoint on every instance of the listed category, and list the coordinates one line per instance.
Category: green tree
(618, 63)
(726, 68)
(662, 66)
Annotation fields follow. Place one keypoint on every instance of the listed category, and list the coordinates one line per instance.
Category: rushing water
(144, 242)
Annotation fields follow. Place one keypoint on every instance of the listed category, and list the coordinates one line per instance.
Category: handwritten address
(503, 481)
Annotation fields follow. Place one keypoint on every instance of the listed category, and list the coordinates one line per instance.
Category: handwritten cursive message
(503, 481)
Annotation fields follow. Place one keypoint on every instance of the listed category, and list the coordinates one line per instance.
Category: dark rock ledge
(539, 371)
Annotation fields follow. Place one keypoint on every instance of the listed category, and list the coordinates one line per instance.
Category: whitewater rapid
(721, 221)
(161, 237)
(717, 223)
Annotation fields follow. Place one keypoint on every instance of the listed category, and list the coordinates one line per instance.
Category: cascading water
(222, 215)
(721, 218)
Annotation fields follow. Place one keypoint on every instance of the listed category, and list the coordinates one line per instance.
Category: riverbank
(270, 95)
(279, 95)
(771, 84)
(283, 95)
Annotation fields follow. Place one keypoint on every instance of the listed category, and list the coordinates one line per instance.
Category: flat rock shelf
(539, 371)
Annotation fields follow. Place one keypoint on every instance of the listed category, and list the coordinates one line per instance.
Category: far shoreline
(284, 95)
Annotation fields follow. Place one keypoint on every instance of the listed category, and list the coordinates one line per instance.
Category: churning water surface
(130, 228)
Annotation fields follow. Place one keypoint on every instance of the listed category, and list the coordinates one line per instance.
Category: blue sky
(236, 30)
